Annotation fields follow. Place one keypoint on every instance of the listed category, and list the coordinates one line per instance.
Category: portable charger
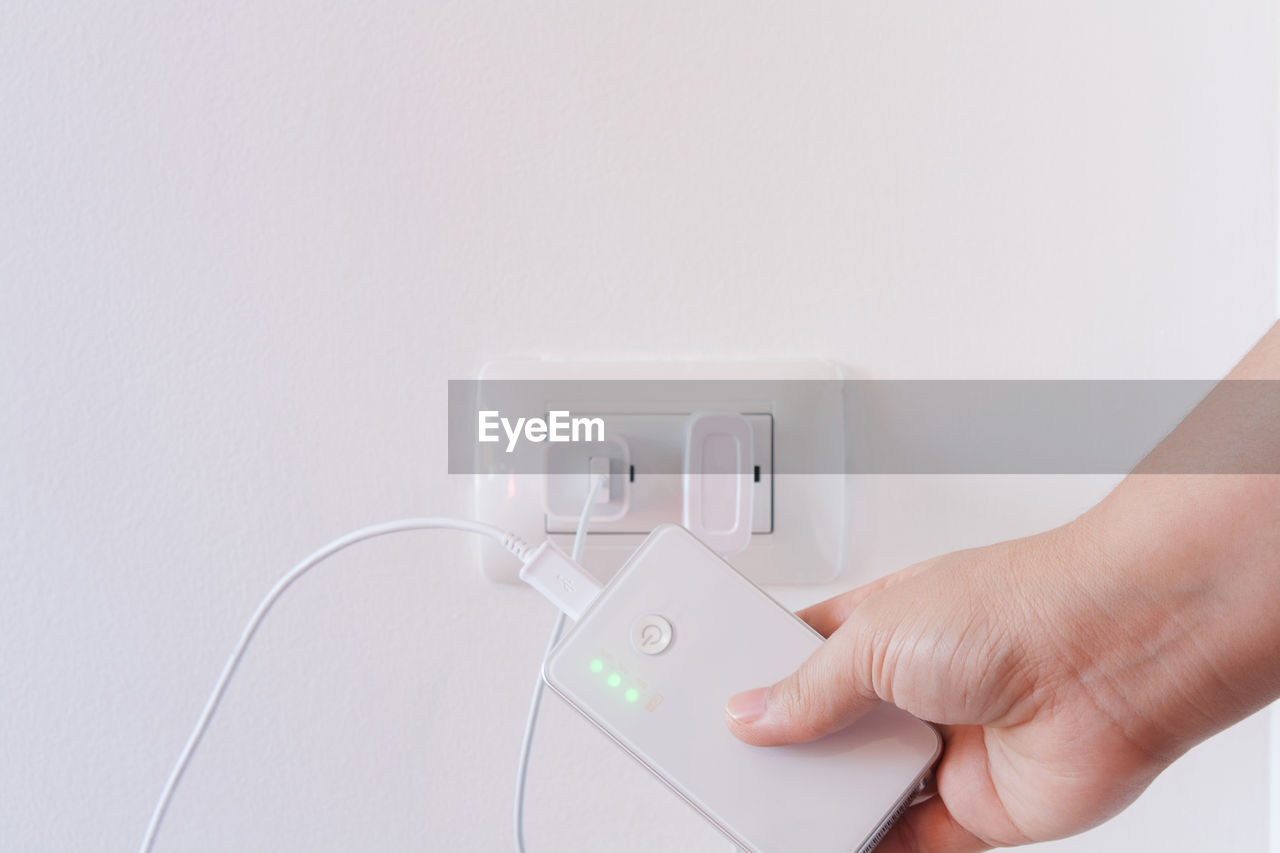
(653, 659)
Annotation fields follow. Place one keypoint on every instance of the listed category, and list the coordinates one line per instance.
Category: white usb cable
(572, 590)
(545, 560)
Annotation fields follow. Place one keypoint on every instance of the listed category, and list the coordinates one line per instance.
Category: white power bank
(658, 653)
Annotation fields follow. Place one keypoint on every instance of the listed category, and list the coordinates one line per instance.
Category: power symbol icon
(651, 634)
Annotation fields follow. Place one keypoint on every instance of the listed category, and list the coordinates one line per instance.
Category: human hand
(1064, 670)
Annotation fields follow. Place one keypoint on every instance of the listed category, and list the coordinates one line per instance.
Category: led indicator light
(615, 679)
(632, 694)
(596, 665)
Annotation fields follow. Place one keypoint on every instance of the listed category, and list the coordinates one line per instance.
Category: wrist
(1178, 592)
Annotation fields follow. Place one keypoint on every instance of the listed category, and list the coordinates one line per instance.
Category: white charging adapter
(716, 481)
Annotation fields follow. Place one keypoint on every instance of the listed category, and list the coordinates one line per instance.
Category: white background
(244, 245)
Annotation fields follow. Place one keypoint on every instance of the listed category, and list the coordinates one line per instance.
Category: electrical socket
(799, 521)
(654, 444)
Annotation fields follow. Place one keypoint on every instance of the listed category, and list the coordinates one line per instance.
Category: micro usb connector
(560, 580)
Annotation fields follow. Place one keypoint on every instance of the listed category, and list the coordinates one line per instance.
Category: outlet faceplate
(654, 446)
(799, 521)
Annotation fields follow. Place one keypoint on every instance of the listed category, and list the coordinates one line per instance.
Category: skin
(1066, 670)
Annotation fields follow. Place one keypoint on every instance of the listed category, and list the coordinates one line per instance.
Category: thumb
(828, 692)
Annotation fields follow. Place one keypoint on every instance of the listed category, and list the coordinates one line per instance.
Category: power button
(651, 634)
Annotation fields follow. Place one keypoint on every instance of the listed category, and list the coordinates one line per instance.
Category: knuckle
(804, 702)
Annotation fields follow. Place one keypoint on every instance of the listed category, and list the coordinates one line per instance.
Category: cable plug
(560, 580)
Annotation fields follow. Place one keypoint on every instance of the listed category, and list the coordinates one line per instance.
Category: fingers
(826, 616)
(930, 828)
(828, 692)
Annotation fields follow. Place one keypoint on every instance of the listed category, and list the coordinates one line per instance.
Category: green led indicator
(632, 694)
(596, 665)
(614, 679)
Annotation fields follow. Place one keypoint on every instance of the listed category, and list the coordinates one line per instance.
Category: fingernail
(747, 707)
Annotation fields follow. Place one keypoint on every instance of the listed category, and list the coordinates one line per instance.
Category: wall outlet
(651, 477)
(799, 520)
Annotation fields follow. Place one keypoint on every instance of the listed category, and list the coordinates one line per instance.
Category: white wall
(1275, 778)
(244, 245)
